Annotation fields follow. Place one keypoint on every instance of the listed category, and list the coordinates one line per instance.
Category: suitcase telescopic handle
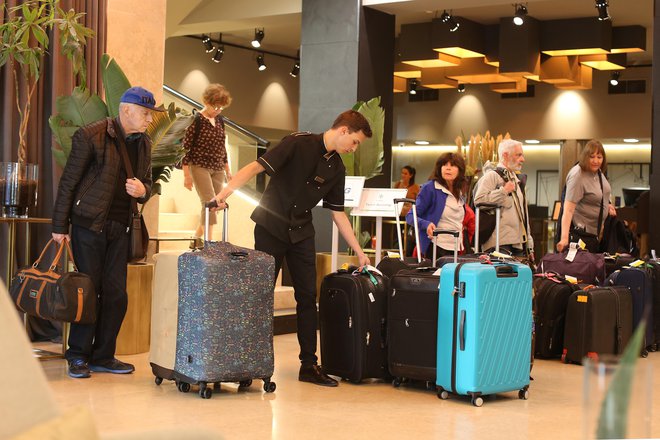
(478, 208)
(225, 219)
(455, 234)
(398, 225)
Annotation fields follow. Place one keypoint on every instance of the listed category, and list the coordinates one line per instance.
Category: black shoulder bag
(138, 240)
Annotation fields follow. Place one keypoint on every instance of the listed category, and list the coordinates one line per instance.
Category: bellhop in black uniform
(302, 172)
(304, 168)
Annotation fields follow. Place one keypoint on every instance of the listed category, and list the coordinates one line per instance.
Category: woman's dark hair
(592, 147)
(456, 160)
(412, 173)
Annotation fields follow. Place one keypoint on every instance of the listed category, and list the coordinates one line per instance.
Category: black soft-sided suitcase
(640, 283)
(551, 295)
(352, 311)
(598, 321)
(654, 269)
(412, 323)
(616, 262)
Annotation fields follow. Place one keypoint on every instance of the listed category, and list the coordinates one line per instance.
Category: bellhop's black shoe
(78, 369)
(313, 374)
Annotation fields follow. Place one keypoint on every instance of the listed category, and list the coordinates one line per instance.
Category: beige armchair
(28, 407)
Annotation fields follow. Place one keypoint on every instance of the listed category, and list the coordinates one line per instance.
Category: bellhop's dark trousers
(102, 256)
(301, 260)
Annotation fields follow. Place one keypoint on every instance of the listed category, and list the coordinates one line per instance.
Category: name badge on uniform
(319, 179)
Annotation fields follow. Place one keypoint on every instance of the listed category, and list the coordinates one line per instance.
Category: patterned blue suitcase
(225, 317)
(484, 329)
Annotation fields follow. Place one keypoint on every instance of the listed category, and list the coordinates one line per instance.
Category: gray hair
(507, 146)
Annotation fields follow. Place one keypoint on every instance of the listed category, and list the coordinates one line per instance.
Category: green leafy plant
(613, 418)
(368, 159)
(166, 131)
(23, 43)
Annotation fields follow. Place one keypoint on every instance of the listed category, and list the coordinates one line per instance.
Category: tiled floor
(368, 411)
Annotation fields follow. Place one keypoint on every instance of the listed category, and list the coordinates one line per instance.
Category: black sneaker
(112, 366)
(78, 369)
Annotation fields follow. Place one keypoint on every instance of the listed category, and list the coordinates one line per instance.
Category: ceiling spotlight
(258, 36)
(219, 52)
(260, 62)
(295, 70)
(603, 13)
(614, 79)
(521, 12)
(461, 88)
(446, 17)
(208, 45)
(412, 88)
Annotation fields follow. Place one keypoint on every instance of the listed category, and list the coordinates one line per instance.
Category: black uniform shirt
(302, 172)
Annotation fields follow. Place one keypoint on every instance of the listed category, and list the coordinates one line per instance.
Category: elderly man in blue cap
(94, 200)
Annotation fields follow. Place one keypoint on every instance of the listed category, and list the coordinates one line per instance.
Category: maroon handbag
(51, 293)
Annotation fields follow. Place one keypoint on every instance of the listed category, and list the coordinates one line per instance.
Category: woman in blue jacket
(441, 204)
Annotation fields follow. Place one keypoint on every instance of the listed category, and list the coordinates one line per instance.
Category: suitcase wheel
(397, 381)
(430, 385)
(204, 391)
(477, 401)
(269, 386)
(443, 394)
(523, 394)
(245, 383)
(183, 387)
(158, 380)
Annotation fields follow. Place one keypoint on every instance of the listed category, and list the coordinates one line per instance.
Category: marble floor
(296, 410)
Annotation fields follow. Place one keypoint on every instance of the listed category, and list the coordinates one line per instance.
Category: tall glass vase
(18, 188)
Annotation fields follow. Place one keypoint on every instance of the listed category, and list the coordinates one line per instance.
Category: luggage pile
(589, 304)
(464, 327)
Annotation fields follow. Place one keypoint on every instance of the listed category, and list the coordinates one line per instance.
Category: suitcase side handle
(461, 331)
(505, 271)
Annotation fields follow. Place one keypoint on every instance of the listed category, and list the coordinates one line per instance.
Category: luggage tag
(571, 279)
(572, 251)
(392, 254)
(501, 255)
(368, 271)
(637, 263)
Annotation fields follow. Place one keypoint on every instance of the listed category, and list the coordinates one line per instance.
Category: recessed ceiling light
(422, 142)
(631, 140)
(532, 141)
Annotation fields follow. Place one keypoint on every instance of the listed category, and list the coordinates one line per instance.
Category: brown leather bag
(53, 293)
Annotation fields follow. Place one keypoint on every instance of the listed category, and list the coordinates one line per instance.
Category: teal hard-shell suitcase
(484, 329)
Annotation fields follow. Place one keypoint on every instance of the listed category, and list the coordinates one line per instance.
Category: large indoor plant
(81, 108)
(25, 38)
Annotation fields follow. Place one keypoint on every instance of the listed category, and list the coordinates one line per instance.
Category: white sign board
(378, 202)
(352, 191)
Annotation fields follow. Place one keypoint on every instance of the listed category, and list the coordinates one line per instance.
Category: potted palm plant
(24, 40)
(81, 108)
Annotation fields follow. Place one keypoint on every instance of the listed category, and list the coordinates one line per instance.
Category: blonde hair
(217, 95)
